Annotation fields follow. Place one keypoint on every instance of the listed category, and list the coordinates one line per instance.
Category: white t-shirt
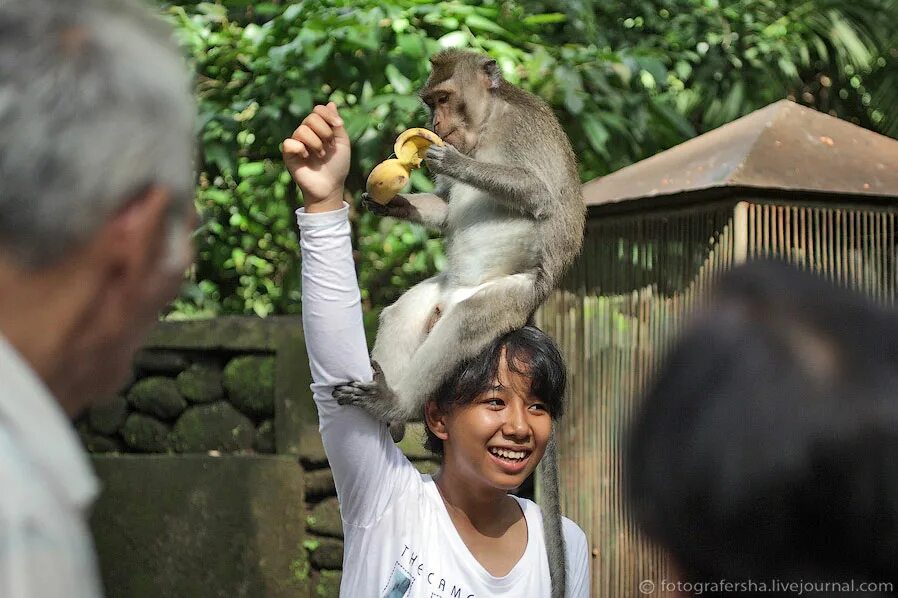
(47, 487)
(399, 540)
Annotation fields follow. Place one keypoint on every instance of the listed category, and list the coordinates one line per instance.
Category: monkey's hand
(375, 397)
(397, 208)
(443, 159)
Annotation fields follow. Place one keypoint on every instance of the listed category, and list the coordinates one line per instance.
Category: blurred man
(765, 456)
(96, 129)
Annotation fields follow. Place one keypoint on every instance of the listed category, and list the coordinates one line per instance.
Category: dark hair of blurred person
(767, 447)
(96, 187)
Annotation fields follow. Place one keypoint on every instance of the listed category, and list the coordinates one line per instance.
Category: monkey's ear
(492, 73)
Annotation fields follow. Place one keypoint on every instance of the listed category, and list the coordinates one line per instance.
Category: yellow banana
(390, 176)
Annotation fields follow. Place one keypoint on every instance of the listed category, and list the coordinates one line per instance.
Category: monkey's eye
(443, 98)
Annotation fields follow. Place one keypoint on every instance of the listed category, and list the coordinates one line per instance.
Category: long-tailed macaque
(509, 204)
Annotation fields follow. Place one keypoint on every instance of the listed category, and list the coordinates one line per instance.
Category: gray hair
(95, 107)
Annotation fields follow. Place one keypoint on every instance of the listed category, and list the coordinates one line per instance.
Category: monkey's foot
(357, 393)
(375, 397)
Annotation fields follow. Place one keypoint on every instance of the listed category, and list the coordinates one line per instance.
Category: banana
(386, 180)
(390, 176)
(412, 144)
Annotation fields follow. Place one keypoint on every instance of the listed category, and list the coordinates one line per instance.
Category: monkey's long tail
(550, 504)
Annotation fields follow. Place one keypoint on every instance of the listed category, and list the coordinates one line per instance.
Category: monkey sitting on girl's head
(508, 201)
(509, 205)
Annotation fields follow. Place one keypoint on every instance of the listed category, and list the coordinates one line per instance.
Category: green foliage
(725, 59)
(627, 79)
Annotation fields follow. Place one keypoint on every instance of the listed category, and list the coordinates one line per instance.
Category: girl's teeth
(506, 454)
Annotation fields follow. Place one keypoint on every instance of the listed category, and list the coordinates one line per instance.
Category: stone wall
(216, 482)
(195, 526)
(188, 402)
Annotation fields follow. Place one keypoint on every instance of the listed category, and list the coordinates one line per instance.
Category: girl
(458, 534)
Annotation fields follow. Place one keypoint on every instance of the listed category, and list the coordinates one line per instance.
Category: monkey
(508, 201)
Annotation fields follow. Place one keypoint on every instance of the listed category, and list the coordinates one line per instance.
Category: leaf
(848, 38)
(596, 133)
(400, 82)
(300, 101)
(266, 9)
(732, 106)
(218, 196)
(573, 101)
(654, 67)
(250, 169)
(475, 21)
(409, 103)
(545, 19)
(254, 33)
(238, 256)
(261, 308)
(410, 45)
(672, 118)
(219, 155)
(356, 124)
(456, 39)
(293, 12)
(216, 11)
(420, 182)
(319, 55)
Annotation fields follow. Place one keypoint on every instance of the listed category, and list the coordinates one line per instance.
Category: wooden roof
(784, 147)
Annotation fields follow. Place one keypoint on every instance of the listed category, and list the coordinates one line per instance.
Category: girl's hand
(317, 157)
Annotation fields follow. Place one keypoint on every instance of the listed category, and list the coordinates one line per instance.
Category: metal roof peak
(783, 146)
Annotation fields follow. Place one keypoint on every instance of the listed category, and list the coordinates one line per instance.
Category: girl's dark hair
(529, 352)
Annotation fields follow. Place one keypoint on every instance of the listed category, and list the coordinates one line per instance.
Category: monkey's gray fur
(510, 208)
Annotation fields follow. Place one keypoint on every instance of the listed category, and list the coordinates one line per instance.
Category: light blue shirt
(47, 487)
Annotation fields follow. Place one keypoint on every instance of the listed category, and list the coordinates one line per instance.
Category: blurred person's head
(96, 186)
(767, 447)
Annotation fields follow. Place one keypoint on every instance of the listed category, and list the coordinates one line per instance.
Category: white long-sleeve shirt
(47, 486)
(398, 538)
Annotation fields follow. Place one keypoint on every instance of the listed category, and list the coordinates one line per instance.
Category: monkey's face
(499, 438)
(453, 112)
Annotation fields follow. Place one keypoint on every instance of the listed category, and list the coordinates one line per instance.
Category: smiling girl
(458, 534)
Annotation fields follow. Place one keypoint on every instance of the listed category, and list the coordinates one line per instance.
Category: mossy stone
(151, 361)
(264, 442)
(325, 519)
(311, 450)
(157, 396)
(96, 443)
(412, 444)
(320, 484)
(249, 381)
(201, 383)
(427, 467)
(145, 434)
(107, 417)
(217, 426)
(329, 584)
(195, 526)
(328, 554)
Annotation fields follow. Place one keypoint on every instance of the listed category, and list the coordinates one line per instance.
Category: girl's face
(499, 438)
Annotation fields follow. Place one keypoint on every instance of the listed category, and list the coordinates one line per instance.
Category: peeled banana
(390, 176)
